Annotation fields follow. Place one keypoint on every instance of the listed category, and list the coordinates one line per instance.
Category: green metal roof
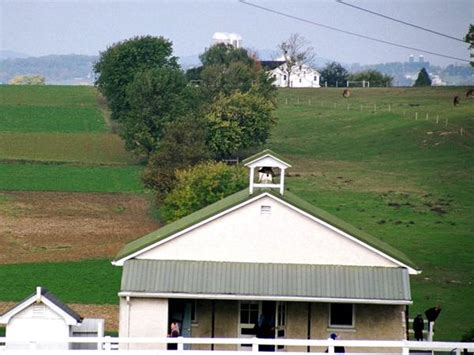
(264, 280)
(262, 154)
(241, 197)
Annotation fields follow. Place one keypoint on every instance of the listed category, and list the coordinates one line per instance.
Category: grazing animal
(456, 100)
(470, 94)
(346, 93)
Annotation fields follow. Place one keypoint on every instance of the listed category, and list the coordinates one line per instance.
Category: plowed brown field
(52, 226)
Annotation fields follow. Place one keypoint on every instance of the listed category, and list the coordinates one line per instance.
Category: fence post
(416, 116)
(286, 101)
(446, 121)
(254, 345)
(361, 108)
(437, 119)
(389, 108)
(107, 343)
(180, 343)
(375, 107)
(427, 116)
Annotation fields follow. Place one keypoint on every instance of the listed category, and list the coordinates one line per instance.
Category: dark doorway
(180, 311)
(266, 324)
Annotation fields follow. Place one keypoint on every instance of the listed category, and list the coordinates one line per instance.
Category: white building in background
(301, 76)
(227, 38)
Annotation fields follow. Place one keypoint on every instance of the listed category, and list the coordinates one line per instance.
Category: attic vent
(265, 209)
(38, 310)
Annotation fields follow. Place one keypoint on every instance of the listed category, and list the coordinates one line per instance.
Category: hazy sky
(87, 27)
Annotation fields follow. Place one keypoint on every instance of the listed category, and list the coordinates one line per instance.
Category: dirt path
(56, 226)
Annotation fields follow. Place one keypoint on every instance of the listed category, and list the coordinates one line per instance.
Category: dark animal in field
(346, 93)
(456, 100)
(470, 94)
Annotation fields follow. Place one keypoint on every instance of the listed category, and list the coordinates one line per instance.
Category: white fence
(158, 345)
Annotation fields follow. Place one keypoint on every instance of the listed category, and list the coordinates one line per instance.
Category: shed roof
(262, 154)
(225, 280)
(240, 198)
(41, 294)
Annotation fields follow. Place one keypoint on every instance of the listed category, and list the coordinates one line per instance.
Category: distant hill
(12, 55)
(57, 69)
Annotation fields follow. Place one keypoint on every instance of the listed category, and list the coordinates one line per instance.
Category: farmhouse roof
(42, 295)
(271, 64)
(240, 198)
(290, 282)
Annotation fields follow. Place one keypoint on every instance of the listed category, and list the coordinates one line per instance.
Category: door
(280, 323)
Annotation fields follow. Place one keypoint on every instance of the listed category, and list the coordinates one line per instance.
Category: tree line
(176, 121)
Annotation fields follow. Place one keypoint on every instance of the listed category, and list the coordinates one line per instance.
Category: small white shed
(40, 317)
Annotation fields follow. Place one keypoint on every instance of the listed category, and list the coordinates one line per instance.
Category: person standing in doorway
(174, 333)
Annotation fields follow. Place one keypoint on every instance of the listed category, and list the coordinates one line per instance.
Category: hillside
(397, 163)
(395, 173)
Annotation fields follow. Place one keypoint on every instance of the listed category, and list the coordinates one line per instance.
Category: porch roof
(230, 280)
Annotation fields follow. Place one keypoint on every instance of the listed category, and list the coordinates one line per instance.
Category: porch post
(213, 320)
(308, 348)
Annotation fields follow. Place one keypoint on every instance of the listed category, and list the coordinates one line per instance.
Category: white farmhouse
(233, 39)
(301, 76)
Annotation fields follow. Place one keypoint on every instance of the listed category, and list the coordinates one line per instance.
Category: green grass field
(64, 125)
(407, 181)
(89, 281)
(70, 178)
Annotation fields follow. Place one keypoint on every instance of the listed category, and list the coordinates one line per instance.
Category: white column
(282, 181)
(251, 181)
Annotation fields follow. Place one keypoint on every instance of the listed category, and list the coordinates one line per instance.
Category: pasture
(405, 179)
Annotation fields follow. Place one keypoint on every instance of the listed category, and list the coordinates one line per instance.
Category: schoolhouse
(263, 252)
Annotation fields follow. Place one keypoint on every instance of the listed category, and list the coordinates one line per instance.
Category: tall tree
(238, 121)
(155, 97)
(469, 38)
(295, 51)
(423, 78)
(334, 74)
(227, 69)
(118, 65)
(183, 145)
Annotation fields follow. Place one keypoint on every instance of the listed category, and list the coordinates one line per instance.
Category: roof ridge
(242, 196)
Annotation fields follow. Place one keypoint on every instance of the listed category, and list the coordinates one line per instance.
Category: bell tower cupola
(267, 170)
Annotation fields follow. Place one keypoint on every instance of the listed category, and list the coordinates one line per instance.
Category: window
(249, 312)
(341, 315)
(315, 78)
(284, 77)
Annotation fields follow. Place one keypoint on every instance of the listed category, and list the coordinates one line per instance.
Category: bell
(265, 175)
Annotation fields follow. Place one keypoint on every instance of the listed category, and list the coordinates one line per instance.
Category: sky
(87, 27)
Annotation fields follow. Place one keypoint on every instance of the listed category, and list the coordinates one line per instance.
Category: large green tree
(201, 185)
(119, 63)
(155, 98)
(334, 74)
(238, 121)
(469, 38)
(183, 145)
(374, 77)
(423, 78)
(227, 69)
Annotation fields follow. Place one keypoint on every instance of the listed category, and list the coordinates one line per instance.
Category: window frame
(341, 326)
